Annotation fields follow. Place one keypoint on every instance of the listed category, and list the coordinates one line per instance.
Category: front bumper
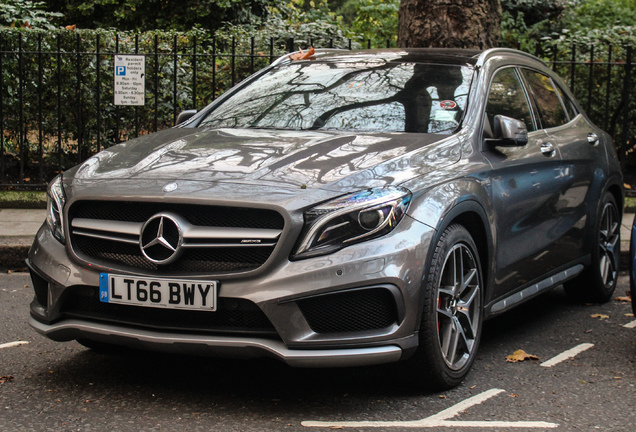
(393, 264)
(220, 346)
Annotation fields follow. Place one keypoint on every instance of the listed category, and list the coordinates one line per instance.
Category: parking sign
(130, 72)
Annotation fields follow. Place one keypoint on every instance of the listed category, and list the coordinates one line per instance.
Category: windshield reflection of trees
(350, 96)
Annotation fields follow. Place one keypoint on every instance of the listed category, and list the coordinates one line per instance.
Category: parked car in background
(351, 208)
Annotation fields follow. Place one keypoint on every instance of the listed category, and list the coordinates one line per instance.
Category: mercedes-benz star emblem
(161, 238)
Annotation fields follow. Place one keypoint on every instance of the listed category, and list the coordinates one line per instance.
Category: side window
(569, 105)
(507, 97)
(547, 100)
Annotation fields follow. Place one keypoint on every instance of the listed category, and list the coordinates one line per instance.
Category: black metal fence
(57, 93)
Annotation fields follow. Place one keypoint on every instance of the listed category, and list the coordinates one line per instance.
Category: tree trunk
(449, 23)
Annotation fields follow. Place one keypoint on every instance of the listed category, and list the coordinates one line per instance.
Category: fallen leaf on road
(5, 378)
(520, 355)
(600, 316)
(623, 299)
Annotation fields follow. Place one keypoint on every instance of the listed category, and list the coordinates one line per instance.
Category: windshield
(350, 96)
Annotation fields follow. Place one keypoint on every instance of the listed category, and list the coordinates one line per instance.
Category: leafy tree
(24, 13)
(524, 22)
(374, 20)
(144, 15)
(600, 14)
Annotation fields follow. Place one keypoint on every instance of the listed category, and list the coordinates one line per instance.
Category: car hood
(284, 159)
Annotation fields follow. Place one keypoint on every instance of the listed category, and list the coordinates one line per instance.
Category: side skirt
(533, 290)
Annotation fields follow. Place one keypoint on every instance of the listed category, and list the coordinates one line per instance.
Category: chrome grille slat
(225, 245)
(119, 227)
(106, 237)
(191, 231)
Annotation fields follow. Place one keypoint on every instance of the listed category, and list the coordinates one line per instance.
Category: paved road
(65, 387)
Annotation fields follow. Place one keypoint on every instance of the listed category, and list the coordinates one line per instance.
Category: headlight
(55, 208)
(352, 219)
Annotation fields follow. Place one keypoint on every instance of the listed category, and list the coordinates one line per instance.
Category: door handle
(592, 138)
(547, 149)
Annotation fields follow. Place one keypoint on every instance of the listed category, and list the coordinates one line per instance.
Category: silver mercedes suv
(349, 208)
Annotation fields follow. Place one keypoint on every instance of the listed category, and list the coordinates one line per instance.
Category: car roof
(411, 55)
(446, 56)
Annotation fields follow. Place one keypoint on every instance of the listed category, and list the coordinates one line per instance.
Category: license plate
(158, 292)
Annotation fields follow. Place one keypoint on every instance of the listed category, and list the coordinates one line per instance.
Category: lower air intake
(350, 311)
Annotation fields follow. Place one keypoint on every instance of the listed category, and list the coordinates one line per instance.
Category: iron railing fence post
(2, 161)
(21, 124)
(607, 87)
(175, 74)
(625, 139)
(590, 80)
(40, 120)
(156, 89)
(194, 72)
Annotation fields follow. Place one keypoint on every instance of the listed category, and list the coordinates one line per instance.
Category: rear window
(350, 96)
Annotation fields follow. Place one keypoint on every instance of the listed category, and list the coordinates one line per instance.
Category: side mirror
(509, 132)
(185, 115)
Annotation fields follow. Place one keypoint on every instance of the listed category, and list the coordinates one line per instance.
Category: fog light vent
(41, 288)
(350, 311)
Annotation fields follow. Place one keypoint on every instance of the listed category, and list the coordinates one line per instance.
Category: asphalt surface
(50, 386)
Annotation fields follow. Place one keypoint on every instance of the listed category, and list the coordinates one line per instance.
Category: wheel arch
(472, 216)
(617, 191)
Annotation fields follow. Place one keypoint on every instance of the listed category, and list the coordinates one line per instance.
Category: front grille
(97, 236)
(350, 311)
(213, 260)
(231, 316)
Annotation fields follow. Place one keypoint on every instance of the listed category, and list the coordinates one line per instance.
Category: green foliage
(24, 13)
(301, 20)
(146, 15)
(574, 21)
(524, 22)
(600, 14)
(374, 20)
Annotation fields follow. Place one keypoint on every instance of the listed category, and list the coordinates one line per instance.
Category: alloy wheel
(609, 236)
(458, 306)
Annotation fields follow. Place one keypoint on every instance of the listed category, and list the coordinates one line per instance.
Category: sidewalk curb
(14, 251)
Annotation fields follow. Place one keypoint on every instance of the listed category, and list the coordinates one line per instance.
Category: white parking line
(441, 419)
(630, 325)
(13, 344)
(567, 354)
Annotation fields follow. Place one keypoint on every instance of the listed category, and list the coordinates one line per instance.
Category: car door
(526, 183)
(581, 155)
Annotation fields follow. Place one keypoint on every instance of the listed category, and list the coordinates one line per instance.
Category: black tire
(452, 314)
(598, 281)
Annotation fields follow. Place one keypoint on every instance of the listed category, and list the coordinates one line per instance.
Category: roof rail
(493, 51)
